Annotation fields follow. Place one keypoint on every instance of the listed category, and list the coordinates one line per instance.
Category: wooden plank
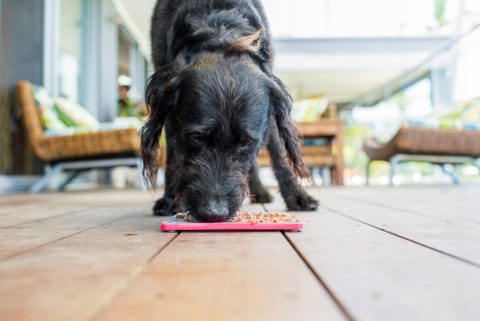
(458, 197)
(15, 202)
(379, 276)
(28, 208)
(21, 238)
(408, 200)
(224, 276)
(12, 201)
(20, 198)
(72, 278)
(457, 237)
(96, 196)
(34, 213)
(321, 127)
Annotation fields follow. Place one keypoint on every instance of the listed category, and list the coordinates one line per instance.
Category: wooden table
(329, 155)
(332, 157)
(366, 254)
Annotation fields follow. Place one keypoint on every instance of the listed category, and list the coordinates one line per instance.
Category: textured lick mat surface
(243, 221)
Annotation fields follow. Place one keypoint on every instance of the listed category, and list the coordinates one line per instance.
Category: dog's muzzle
(214, 211)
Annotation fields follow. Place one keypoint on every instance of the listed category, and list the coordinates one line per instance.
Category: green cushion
(465, 116)
(75, 115)
(309, 110)
(46, 107)
(471, 117)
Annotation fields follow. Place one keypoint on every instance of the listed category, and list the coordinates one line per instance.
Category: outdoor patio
(404, 253)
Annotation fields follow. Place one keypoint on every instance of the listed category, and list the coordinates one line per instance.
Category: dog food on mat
(241, 221)
(245, 217)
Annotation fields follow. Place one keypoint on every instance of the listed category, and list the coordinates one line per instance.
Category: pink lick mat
(176, 224)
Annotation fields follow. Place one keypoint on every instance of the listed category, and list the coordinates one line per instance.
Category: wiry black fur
(215, 94)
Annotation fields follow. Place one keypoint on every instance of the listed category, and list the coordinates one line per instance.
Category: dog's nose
(215, 211)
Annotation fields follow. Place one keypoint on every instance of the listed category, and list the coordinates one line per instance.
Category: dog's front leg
(296, 198)
(167, 205)
(258, 192)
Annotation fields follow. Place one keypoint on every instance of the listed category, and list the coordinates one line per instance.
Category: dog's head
(219, 108)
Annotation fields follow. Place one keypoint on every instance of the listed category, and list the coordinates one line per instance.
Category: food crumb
(246, 217)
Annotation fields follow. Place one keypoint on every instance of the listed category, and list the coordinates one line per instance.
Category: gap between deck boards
(430, 278)
(108, 300)
(276, 206)
(453, 256)
(411, 235)
(106, 309)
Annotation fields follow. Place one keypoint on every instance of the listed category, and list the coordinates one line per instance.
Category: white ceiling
(341, 86)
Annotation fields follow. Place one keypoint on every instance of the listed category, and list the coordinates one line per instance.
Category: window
(70, 49)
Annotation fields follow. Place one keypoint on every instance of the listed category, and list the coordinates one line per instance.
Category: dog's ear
(281, 105)
(249, 43)
(161, 96)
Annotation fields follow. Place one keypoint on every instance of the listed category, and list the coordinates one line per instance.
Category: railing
(443, 58)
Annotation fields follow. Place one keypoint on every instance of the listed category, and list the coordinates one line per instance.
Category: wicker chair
(436, 146)
(78, 152)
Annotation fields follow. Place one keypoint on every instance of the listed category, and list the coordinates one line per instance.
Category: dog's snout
(214, 211)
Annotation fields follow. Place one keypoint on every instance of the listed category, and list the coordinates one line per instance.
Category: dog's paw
(164, 207)
(262, 196)
(301, 201)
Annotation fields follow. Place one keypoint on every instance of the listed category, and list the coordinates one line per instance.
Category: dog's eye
(196, 136)
(245, 144)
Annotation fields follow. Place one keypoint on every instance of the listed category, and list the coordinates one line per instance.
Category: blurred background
(367, 69)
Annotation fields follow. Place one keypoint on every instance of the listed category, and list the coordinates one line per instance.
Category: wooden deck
(367, 254)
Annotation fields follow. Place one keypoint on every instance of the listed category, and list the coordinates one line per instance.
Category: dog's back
(196, 25)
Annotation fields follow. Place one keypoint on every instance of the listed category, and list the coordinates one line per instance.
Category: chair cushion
(465, 116)
(75, 115)
(471, 117)
(309, 110)
(46, 108)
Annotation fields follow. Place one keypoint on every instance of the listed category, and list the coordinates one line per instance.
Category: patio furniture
(77, 152)
(329, 156)
(437, 146)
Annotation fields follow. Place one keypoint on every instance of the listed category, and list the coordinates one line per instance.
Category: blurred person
(127, 107)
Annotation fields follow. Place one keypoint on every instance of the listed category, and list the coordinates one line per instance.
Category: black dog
(214, 91)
